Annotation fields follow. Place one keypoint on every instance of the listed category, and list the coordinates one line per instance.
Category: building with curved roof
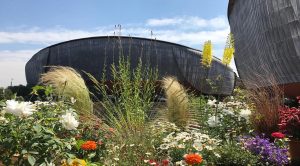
(91, 54)
(267, 42)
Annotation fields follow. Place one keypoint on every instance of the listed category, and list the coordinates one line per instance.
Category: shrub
(36, 133)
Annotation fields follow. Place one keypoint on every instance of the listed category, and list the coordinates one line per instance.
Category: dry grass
(177, 102)
(266, 102)
(67, 82)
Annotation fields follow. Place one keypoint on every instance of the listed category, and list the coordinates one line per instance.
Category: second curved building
(91, 54)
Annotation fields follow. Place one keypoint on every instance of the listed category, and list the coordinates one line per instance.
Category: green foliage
(232, 154)
(128, 101)
(222, 119)
(6, 94)
(37, 139)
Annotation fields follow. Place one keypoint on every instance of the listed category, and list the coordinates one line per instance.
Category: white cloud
(190, 22)
(164, 21)
(16, 55)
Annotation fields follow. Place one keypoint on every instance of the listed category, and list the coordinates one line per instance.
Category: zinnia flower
(193, 159)
(89, 145)
(22, 109)
(68, 121)
(278, 135)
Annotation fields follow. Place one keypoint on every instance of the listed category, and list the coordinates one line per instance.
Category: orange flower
(193, 159)
(89, 145)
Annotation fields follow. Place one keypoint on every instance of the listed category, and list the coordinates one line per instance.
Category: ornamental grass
(67, 82)
(266, 102)
(177, 102)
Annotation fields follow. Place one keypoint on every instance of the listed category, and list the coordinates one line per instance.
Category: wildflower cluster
(267, 150)
(177, 145)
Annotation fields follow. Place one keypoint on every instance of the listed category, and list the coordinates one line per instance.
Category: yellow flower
(207, 54)
(229, 50)
(74, 162)
(78, 162)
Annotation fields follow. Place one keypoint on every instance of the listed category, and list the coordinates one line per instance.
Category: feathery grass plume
(229, 50)
(177, 102)
(67, 82)
(266, 102)
(207, 54)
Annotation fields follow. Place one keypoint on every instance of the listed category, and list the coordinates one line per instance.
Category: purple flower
(268, 151)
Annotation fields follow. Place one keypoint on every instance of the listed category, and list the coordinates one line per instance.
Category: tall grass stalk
(177, 102)
(68, 82)
(266, 102)
(128, 100)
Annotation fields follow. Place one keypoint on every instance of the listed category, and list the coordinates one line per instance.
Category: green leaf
(79, 143)
(24, 151)
(31, 160)
(37, 128)
(91, 155)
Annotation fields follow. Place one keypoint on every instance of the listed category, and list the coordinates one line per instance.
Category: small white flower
(198, 146)
(211, 102)
(228, 112)
(213, 121)
(69, 121)
(245, 113)
(117, 159)
(181, 163)
(22, 109)
(3, 120)
(217, 155)
(181, 146)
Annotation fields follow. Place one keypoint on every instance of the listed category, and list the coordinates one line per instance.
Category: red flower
(89, 145)
(193, 159)
(165, 162)
(278, 135)
(153, 162)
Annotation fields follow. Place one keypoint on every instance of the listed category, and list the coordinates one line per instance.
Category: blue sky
(27, 26)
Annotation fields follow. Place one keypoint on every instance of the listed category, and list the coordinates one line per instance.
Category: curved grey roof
(89, 54)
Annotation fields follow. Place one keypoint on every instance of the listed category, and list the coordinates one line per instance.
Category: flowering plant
(36, 132)
(290, 121)
(193, 159)
(267, 150)
(176, 145)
